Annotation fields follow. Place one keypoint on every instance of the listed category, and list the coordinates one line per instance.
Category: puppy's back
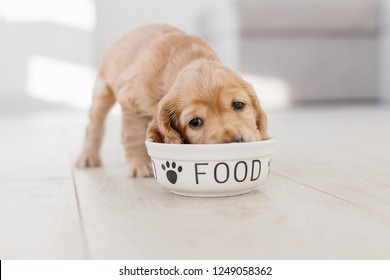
(125, 51)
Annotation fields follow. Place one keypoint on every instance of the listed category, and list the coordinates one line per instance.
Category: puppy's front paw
(140, 170)
(86, 159)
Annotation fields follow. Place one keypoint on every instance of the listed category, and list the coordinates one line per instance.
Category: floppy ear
(163, 127)
(261, 117)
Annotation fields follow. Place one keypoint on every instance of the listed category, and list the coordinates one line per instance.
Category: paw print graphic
(171, 173)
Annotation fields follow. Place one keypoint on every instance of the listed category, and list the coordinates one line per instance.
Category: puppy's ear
(164, 126)
(261, 117)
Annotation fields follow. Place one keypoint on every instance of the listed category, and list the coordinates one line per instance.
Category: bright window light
(59, 81)
(273, 92)
(75, 13)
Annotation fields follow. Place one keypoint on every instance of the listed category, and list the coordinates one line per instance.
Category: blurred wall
(320, 50)
(384, 48)
(49, 49)
(119, 16)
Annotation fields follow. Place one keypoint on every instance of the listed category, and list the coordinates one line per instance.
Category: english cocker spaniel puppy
(172, 88)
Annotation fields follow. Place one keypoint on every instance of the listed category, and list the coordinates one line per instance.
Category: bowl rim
(211, 152)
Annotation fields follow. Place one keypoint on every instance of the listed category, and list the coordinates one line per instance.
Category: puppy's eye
(196, 122)
(238, 106)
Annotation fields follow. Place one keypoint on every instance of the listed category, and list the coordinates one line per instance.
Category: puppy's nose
(237, 139)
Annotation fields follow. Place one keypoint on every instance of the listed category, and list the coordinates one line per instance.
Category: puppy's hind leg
(102, 101)
(133, 139)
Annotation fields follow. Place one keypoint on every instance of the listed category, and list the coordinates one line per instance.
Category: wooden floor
(327, 197)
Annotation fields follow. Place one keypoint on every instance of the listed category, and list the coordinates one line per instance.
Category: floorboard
(341, 151)
(137, 219)
(39, 220)
(327, 197)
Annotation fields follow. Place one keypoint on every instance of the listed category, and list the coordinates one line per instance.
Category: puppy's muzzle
(236, 139)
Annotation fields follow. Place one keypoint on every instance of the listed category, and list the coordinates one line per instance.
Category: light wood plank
(289, 217)
(327, 197)
(137, 219)
(39, 220)
(342, 151)
(33, 146)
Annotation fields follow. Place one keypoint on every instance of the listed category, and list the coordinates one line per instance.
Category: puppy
(172, 88)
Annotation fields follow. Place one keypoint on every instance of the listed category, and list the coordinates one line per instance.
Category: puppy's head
(208, 104)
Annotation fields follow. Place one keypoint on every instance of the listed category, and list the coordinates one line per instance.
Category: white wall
(119, 16)
(49, 49)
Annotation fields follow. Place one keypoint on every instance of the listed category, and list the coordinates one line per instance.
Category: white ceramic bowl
(211, 170)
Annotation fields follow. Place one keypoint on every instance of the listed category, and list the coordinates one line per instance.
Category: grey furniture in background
(323, 50)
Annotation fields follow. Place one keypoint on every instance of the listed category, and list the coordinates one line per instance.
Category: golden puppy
(172, 88)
